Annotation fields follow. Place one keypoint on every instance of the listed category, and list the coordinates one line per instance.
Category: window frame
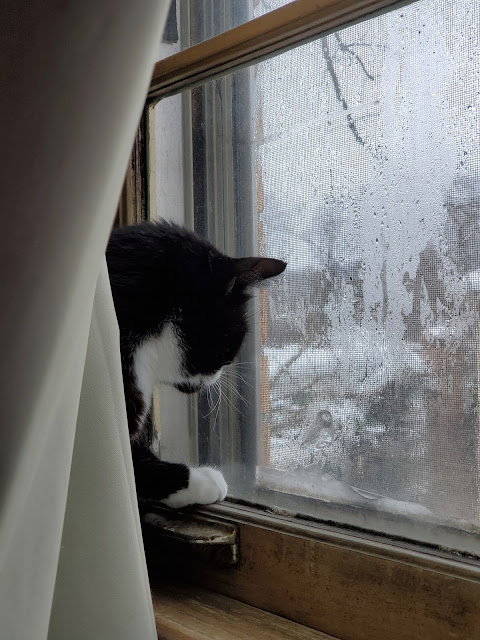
(334, 579)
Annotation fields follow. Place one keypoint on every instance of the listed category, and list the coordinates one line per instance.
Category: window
(355, 158)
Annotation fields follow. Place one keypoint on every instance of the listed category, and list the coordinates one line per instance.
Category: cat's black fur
(162, 275)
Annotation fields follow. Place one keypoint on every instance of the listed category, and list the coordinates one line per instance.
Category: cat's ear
(249, 271)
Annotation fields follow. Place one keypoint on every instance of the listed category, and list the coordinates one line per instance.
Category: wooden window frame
(349, 585)
(335, 580)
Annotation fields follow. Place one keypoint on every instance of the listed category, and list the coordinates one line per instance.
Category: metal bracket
(173, 535)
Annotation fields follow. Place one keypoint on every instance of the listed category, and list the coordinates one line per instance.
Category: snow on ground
(312, 482)
(365, 362)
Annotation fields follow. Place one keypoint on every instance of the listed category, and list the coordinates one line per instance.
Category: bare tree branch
(346, 48)
(284, 369)
(336, 85)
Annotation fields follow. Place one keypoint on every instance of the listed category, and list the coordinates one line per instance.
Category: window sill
(313, 575)
(191, 613)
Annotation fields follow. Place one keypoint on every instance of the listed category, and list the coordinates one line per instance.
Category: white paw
(206, 485)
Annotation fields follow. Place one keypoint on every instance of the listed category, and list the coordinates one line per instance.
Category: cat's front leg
(205, 486)
(176, 485)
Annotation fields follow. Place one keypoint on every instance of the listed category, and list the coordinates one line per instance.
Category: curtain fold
(101, 587)
(74, 80)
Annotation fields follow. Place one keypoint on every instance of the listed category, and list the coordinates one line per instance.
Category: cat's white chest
(158, 360)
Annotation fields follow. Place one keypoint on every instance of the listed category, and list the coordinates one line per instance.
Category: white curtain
(74, 80)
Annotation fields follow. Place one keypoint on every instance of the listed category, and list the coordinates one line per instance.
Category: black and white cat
(181, 309)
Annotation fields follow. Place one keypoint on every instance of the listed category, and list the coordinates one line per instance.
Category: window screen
(368, 164)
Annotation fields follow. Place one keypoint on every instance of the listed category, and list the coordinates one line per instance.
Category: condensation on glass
(367, 144)
(362, 170)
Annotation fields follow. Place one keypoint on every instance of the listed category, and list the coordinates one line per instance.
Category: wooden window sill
(315, 580)
(192, 613)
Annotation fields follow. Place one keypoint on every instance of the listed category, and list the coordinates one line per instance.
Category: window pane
(172, 436)
(355, 158)
(367, 143)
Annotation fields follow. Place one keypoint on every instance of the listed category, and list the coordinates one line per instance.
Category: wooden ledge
(191, 613)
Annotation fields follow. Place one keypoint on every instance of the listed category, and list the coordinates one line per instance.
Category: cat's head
(211, 323)
(180, 303)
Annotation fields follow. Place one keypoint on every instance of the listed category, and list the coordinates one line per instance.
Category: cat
(181, 310)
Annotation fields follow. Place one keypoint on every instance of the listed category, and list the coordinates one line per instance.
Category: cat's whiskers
(236, 374)
(227, 391)
(253, 313)
(204, 389)
(211, 402)
(230, 385)
(210, 412)
(212, 405)
(230, 403)
(218, 388)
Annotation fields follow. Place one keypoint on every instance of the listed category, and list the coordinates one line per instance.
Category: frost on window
(368, 184)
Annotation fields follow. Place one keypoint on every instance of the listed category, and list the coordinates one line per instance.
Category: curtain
(74, 80)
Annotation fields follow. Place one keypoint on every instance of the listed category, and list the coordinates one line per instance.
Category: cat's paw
(205, 485)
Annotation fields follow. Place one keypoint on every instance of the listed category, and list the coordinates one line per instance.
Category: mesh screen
(368, 167)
